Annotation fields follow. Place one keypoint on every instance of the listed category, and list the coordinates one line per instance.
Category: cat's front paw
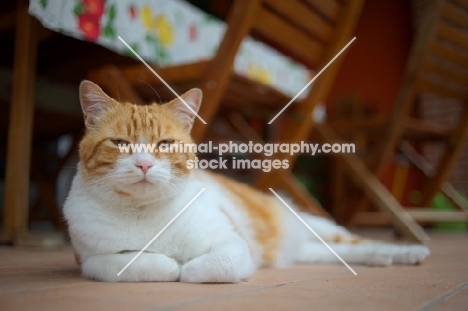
(201, 270)
(149, 267)
(161, 269)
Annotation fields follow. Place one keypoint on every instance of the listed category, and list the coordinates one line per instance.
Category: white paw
(166, 270)
(201, 270)
(152, 268)
(149, 267)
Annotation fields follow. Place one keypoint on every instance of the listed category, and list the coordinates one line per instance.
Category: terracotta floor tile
(32, 279)
(455, 299)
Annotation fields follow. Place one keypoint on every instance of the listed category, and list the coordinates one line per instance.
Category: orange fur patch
(338, 238)
(356, 241)
(262, 212)
(122, 193)
(236, 229)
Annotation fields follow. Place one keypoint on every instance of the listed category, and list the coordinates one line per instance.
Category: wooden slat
(431, 66)
(289, 37)
(174, 74)
(430, 131)
(301, 14)
(329, 8)
(445, 52)
(453, 35)
(455, 14)
(424, 85)
(374, 189)
(426, 168)
(423, 215)
(254, 93)
(455, 197)
(448, 160)
(373, 219)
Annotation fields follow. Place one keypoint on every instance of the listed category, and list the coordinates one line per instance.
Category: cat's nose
(144, 165)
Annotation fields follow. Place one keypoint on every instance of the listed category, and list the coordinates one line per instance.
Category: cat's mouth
(143, 181)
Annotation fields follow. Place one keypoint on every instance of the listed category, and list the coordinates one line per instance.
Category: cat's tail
(329, 231)
(351, 248)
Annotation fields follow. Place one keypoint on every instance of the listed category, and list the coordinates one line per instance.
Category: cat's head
(111, 126)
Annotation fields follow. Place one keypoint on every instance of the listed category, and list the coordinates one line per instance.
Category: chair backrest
(304, 29)
(439, 63)
(310, 31)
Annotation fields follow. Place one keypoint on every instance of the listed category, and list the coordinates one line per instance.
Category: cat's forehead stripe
(150, 120)
(143, 124)
(135, 119)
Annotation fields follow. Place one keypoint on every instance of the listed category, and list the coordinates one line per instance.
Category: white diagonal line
(162, 230)
(312, 230)
(162, 80)
(313, 79)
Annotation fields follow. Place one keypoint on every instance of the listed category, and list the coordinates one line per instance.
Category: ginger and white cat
(119, 201)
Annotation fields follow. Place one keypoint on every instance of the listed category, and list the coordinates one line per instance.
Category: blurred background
(46, 53)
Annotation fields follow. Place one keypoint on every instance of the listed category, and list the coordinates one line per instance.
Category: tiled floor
(49, 280)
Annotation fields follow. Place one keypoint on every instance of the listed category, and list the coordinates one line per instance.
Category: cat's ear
(187, 111)
(94, 102)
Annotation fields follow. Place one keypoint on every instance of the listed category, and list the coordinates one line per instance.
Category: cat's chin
(147, 187)
(143, 181)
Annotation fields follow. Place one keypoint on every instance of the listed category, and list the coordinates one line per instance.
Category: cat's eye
(165, 142)
(120, 142)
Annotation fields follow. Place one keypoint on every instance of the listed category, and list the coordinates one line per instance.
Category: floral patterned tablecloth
(166, 33)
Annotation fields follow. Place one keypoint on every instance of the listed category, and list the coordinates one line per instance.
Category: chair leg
(216, 78)
(375, 190)
(446, 164)
(426, 168)
(15, 217)
(388, 146)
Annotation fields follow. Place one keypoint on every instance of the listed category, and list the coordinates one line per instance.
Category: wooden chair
(310, 31)
(437, 67)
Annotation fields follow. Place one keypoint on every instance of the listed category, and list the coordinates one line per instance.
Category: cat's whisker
(149, 85)
(174, 186)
